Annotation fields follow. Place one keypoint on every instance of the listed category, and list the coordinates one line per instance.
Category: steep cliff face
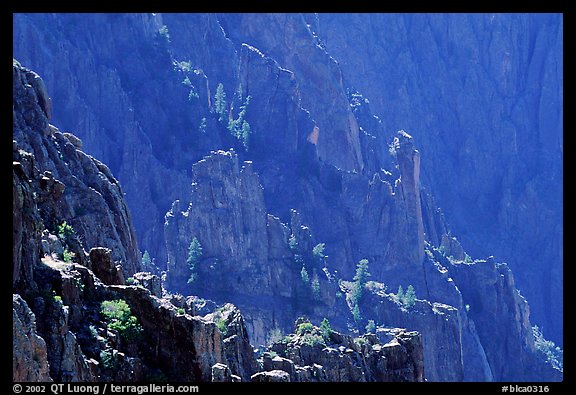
(73, 317)
(59, 331)
(70, 186)
(482, 94)
(312, 166)
(245, 256)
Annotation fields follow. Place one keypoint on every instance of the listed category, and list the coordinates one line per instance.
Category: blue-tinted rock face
(482, 95)
(314, 103)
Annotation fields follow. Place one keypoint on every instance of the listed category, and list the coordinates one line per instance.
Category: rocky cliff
(74, 319)
(482, 94)
(314, 184)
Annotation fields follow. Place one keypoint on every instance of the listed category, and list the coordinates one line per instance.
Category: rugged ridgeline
(75, 320)
(310, 165)
(482, 95)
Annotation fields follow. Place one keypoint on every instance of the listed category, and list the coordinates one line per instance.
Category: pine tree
(304, 275)
(361, 278)
(220, 102)
(362, 273)
(146, 260)
(356, 314)
(325, 329)
(194, 255)
(316, 287)
(410, 297)
(400, 294)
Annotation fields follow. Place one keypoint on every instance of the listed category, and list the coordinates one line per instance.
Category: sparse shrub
(315, 287)
(221, 325)
(292, 243)
(108, 359)
(318, 251)
(553, 354)
(130, 281)
(304, 327)
(202, 126)
(66, 231)
(371, 327)
(313, 340)
(274, 336)
(163, 32)
(119, 317)
(67, 256)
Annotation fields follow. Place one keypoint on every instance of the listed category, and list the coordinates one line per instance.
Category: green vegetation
(58, 299)
(180, 311)
(408, 299)
(130, 281)
(313, 340)
(304, 327)
(67, 256)
(194, 256)
(220, 103)
(119, 318)
(66, 232)
(400, 294)
(554, 355)
(326, 329)
(108, 359)
(163, 32)
(318, 252)
(356, 314)
(93, 331)
(221, 325)
(146, 260)
(193, 94)
(360, 341)
(239, 127)
(304, 275)
(202, 126)
(315, 287)
(360, 280)
(371, 327)
(292, 243)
